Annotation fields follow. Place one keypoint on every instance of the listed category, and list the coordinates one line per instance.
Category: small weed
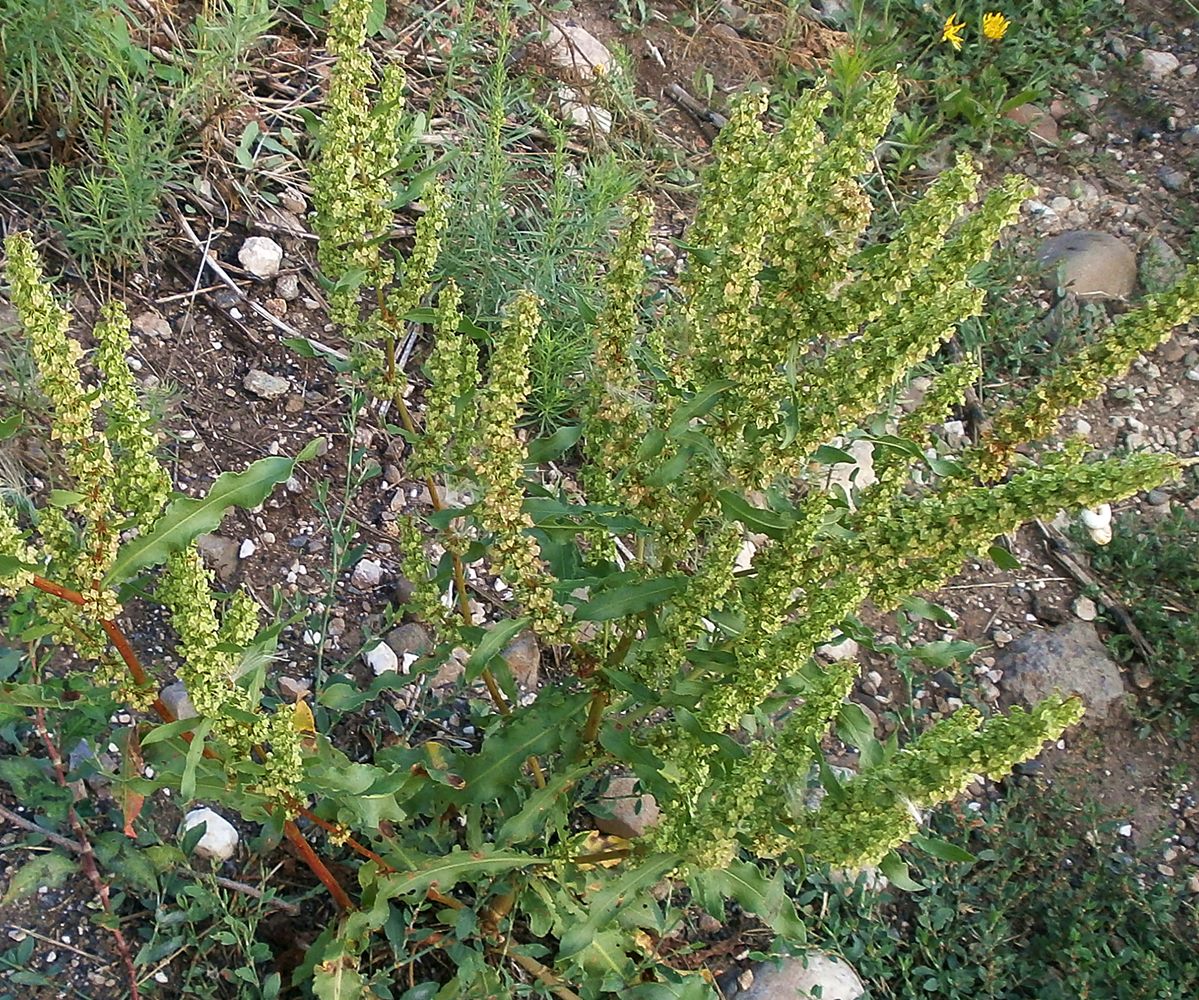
(1053, 908)
(1154, 570)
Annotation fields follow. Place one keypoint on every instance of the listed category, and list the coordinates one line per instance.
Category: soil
(196, 372)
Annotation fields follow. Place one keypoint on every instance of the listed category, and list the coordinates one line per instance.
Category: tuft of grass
(528, 216)
(123, 118)
(1054, 908)
(1153, 568)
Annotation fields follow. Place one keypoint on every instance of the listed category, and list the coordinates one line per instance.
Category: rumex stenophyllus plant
(688, 572)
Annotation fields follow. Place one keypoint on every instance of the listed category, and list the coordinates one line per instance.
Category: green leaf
(918, 607)
(51, 869)
(11, 566)
(187, 518)
(764, 522)
(603, 906)
(547, 448)
(767, 898)
(169, 730)
(1002, 558)
(853, 726)
(826, 454)
(195, 750)
(945, 653)
(337, 981)
(493, 642)
(670, 470)
(447, 870)
(498, 767)
(539, 807)
(630, 599)
(9, 426)
(64, 498)
(943, 849)
(698, 405)
(343, 697)
(896, 870)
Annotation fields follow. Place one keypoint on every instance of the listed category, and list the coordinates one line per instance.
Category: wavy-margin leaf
(187, 518)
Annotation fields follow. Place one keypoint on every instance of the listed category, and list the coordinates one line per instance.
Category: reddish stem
(125, 649)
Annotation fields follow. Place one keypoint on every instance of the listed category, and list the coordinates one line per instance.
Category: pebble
(248, 548)
(1001, 637)
(292, 689)
(220, 837)
(150, 324)
(1191, 136)
(287, 287)
(381, 659)
(1085, 609)
(261, 256)
(367, 574)
(264, 385)
(1159, 64)
(1172, 180)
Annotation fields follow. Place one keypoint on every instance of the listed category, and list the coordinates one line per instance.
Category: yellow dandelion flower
(952, 32)
(995, 26)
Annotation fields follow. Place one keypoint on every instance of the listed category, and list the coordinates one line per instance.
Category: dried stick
(58, 840)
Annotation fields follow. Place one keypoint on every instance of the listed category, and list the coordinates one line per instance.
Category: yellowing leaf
(302, 718)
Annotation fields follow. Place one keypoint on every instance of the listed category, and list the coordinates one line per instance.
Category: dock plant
(692, 548)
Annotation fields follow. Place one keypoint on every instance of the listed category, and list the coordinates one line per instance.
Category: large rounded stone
(1068, 660)
(633, 813)
(1091, 264)
(805, 978)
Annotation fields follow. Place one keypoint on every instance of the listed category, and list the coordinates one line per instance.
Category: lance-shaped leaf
(765, 897)
(187, 518)
(447, 870)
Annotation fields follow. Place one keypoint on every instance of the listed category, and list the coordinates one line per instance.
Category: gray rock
(367, 574)
(1157, 64)
(1172, 180)
(633, 813)
(176, 698)
(1091, 264)
(150, 324)
(1117, 47)
(1191, 136)
(805, 978)
(523, 657)
(1068, 660)
(261, 256)
(577, 50)
(287, 287)
(1159, 266)
(265, 385)
(292, 689)
(220, 554)
(410, 639)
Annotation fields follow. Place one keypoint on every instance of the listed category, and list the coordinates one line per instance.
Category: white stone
(576, 49)
(846, 649)
(248, 548)
(381, 659)
(1098, 522)
(805, 978)
(1085, 608)
(367, 574)
(261, 256)
(1125, 830)
(219, 840)
(1159, 64)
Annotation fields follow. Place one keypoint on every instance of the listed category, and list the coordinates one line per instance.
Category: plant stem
(493, 689)
(595, 714)
(123, 646)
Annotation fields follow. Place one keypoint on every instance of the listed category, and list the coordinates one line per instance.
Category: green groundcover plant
(683, 576)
